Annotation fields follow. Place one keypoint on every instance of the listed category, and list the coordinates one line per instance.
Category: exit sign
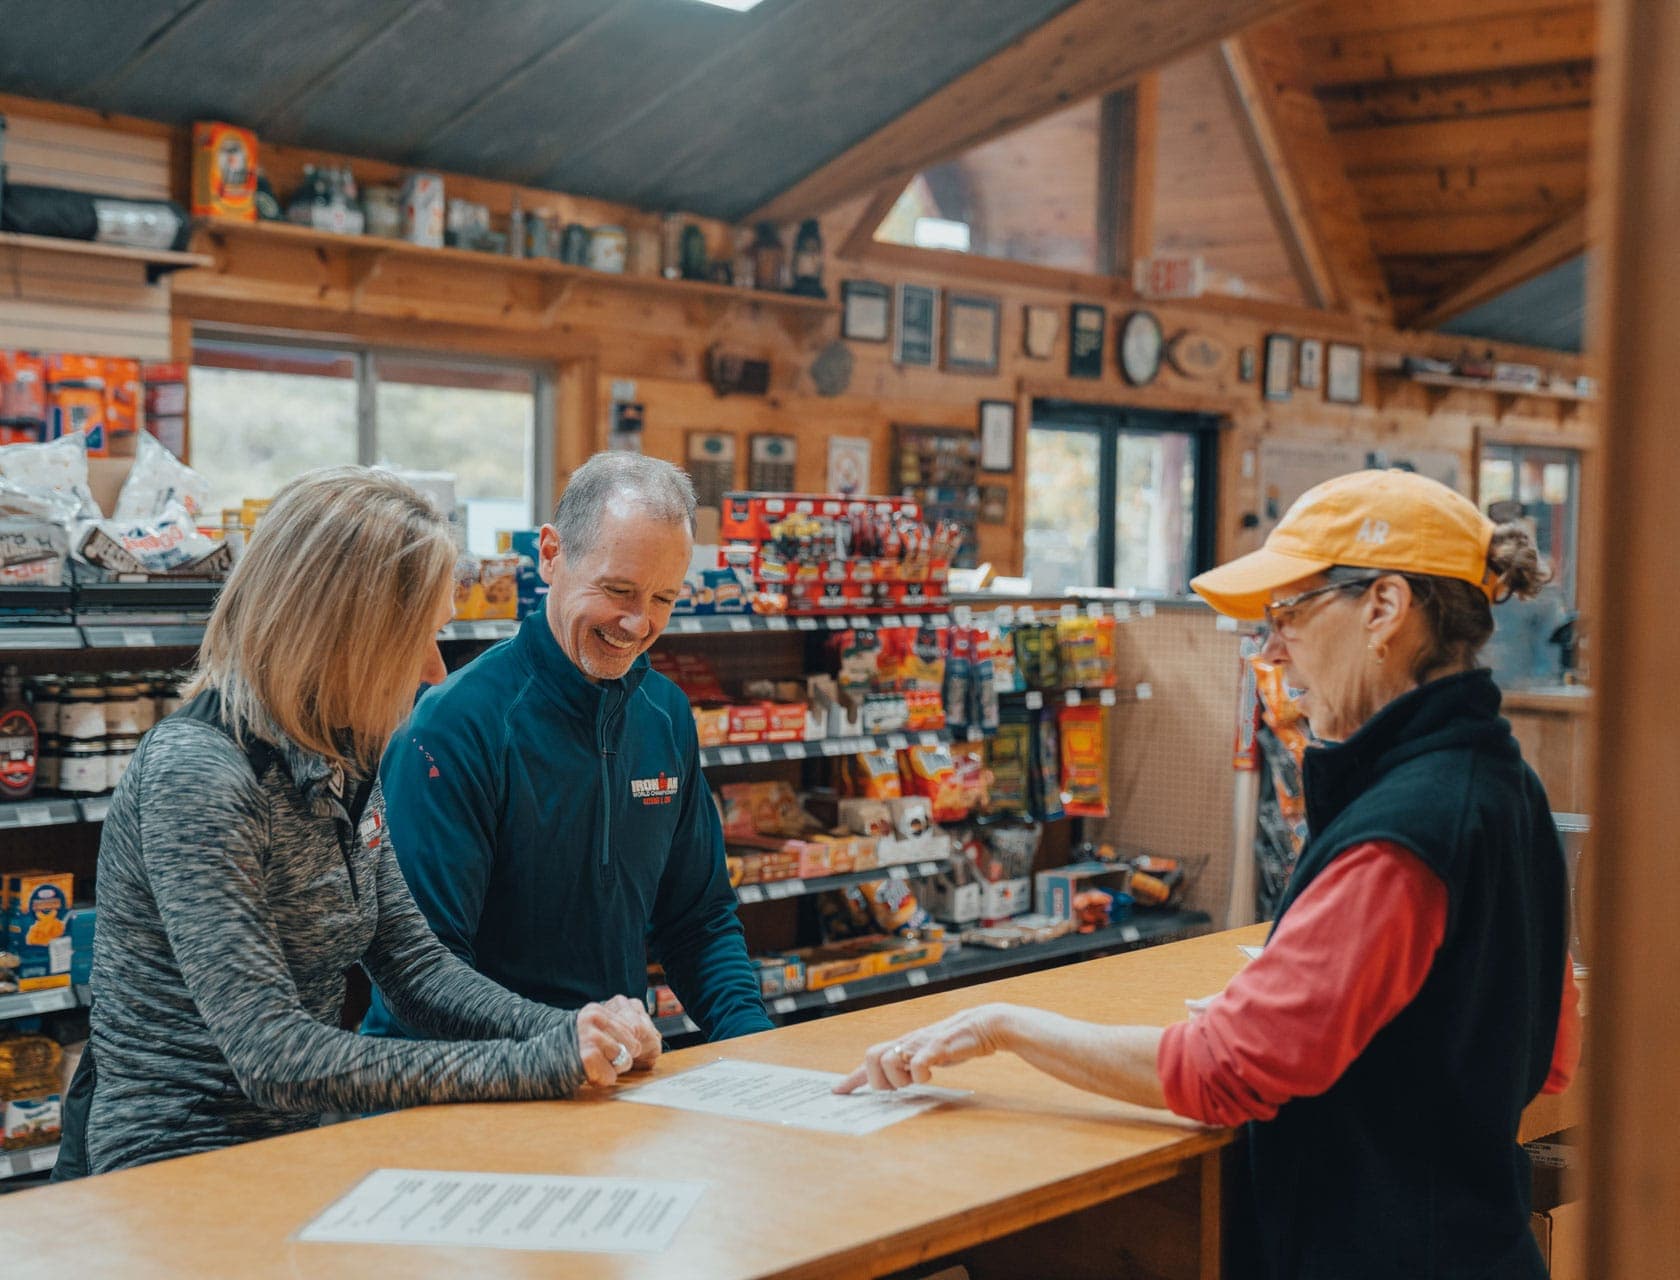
(1170, 275)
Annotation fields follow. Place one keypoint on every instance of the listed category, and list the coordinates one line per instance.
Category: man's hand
(614, 1037)
(911, 1058)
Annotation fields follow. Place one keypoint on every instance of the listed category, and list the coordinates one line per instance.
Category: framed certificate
(916, 328)
(997, 435)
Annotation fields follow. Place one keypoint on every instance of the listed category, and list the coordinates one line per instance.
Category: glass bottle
(808, 260)
(768, 257)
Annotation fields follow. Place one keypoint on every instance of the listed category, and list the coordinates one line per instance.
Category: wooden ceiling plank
(1464, 232)
(1552, 246)
(1517, 138)
(1362, 17)
(1540, 187)
(1302, 171)
(102, 92)
(1485, 44)
(1128, 195)
(1090, 48)
(1461, 96)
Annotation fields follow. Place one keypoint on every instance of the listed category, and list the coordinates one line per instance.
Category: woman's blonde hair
(322, 628)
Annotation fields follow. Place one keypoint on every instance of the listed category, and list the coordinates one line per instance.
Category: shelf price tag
(787, 1004)
(834, 995)
(1106, 697)
(1034, 699)
(794, 887)
(486, 631)
(805, 624)
(1074, 697)
(775, 622)
(1094, 609)
(898, 871)
(42, 1158)
(1122, 613)
(749, 893)
(759, 755)
(927, 869)
(740, 624)
(858, 622)
(830, 747)
(776, 890)
(893, 620)
(897, 741)
(1146, 608)
(1145, 691)
(794, 750)
(939, 620)
(928, 739)
(730, 755)
(689, 626)
(1129, 933)
(1070, 611)
(836, 624)
(916, 977)
(138, 638)
(34, 815)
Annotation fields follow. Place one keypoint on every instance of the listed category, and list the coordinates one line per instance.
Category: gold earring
(1378, 651)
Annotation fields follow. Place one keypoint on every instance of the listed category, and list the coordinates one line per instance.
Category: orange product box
(748, 722)
(712, 725)
(786, 721)
(224, 171)
(122, 397)
(831, 966)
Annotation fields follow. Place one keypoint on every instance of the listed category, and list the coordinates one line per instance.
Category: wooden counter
(1023, 1150)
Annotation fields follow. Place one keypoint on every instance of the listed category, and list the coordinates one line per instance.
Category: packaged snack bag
(1009, 758)
(930, 772)
(1084, 743)
(158, 478)
(764, 809)
(1045, 775)
(872, 775)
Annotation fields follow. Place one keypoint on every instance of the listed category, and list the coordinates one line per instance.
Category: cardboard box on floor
(1559, 1217)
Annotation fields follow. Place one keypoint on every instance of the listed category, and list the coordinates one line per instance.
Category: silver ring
(621, 1060)
(902, 1054)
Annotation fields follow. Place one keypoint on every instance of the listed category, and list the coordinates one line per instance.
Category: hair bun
(1515, 563)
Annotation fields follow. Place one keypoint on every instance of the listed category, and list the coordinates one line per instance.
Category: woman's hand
(614, 1037)
(911, 1058)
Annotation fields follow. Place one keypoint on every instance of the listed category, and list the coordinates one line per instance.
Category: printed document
(508, 1211)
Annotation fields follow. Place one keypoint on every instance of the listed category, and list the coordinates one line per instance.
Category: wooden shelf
(367, 254)
(1454, 381)
(157, 261)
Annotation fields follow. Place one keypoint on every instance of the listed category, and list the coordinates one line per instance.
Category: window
(264, 412)
(1541, 487)
(1118, 498)
(1030, 196)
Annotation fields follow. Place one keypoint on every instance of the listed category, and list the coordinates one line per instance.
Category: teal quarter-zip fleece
(557, 832)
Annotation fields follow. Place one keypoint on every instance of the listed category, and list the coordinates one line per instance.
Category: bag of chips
(1084, 742)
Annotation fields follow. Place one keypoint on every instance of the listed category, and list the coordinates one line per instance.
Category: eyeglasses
(1280, 612)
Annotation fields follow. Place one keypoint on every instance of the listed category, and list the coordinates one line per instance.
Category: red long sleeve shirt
(1290, 1023)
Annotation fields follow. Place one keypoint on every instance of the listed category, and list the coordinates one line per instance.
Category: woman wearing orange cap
(1415, 993)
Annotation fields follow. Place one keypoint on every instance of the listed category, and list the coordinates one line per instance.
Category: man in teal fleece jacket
(546, 802)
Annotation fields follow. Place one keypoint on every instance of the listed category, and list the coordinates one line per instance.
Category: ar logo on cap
(1372, 531)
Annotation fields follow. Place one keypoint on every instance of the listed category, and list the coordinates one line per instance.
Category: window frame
(365, 357)
(1109, 423)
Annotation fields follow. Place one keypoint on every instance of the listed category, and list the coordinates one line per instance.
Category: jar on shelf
(608, 249)
(81, 714)
(46, 762)
(119, 752)
(81, 767)
(169, 693)
(122, 706)
(49, 696)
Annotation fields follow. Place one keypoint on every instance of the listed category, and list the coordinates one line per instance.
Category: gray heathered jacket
(228, 912)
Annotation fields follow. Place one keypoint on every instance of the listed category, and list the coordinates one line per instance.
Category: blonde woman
(238, 881)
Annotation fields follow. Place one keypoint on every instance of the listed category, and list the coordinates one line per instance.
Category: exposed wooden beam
(862, 234)
(1090, 48)
(1554, 245)
(1302, 172)
(1633, 1160)
(1479, 44)
(1127, 141)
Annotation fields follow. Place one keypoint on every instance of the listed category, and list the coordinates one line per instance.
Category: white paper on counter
(508, 1211)
(1253, 953)
(787, 1096)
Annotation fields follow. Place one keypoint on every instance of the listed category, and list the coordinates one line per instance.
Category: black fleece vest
(1408, 1166)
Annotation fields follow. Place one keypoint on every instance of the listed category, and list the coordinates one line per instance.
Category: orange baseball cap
(1394, 520)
